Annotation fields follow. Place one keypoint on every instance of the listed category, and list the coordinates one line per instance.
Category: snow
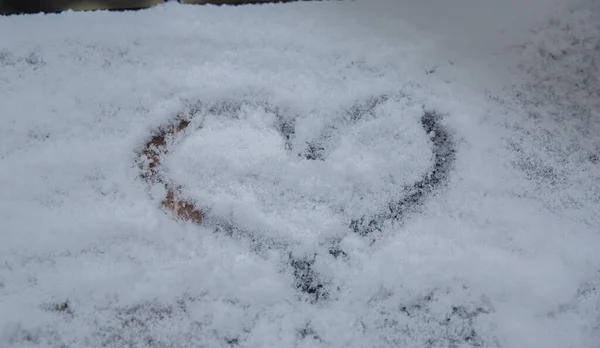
(241, 166)
(478, 165)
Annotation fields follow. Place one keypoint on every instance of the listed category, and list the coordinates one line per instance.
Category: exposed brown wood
(152, 154)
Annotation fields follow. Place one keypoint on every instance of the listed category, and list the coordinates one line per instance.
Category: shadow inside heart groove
(307, 280)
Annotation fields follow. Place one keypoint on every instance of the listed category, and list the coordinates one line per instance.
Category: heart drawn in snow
(277, 178)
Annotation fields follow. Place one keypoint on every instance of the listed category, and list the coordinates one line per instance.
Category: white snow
(241, 166)
(503, 254)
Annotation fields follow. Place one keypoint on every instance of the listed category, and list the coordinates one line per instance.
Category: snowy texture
(308, 122)
(297, 176)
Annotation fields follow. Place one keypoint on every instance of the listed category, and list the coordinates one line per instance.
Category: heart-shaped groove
(307, 279)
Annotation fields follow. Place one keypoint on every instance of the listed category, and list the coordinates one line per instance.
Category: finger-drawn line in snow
(444, 154)
(307, 279)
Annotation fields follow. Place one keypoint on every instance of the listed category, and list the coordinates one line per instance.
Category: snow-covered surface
(241, 167)
(503, 253)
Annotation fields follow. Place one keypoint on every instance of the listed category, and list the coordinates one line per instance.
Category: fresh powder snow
(370, 174)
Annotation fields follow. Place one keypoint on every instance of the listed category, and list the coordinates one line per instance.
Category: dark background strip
(49, 6)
